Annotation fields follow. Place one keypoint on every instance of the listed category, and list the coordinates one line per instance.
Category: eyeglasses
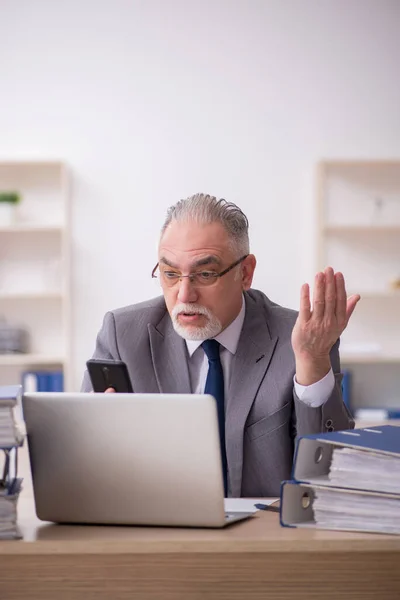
(198, 278)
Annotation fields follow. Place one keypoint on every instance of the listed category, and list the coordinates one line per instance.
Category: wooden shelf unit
(35, 267)
(358, 233)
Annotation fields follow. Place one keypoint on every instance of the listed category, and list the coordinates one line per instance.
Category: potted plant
(8, 204)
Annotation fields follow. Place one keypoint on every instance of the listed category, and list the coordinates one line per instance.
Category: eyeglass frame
(215, 277)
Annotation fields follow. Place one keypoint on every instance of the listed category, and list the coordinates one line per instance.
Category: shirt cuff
(316, 394)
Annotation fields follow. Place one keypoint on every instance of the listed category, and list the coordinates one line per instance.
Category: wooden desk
(253, 559)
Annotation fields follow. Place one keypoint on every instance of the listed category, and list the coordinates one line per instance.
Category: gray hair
(206, 209)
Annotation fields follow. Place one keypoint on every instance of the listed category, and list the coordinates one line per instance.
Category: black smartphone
(109, 373)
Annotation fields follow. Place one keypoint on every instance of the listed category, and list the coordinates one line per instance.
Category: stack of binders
(347, 480)
(12, 434)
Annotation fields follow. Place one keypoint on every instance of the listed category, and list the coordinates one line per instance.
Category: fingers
(319, 296)
(351, 304)
(305, 305)
(110, 390)
(330, 302)
(341, 300)
(330, 294)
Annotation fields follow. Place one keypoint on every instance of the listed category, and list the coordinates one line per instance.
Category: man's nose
(187, 291)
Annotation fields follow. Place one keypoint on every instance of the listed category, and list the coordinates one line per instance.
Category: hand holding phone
(105, 374)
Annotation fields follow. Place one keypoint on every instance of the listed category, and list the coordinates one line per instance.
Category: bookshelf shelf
(42, 229)
(368, 359)
(378, 295)
(35, 277)
(30, 360)
(31, 296)
(358, 233)
(363, 229)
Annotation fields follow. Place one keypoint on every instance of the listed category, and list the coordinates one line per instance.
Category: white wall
(151, 101)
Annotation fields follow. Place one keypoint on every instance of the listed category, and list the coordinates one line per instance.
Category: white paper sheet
(357, 511)
(246, 504)
(354, 468)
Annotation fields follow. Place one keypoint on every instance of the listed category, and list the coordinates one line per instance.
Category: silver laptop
(140, 459)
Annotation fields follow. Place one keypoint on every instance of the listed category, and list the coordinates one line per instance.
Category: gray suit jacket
(263, 413)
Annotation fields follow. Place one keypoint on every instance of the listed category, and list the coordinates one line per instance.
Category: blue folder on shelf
(43, 381)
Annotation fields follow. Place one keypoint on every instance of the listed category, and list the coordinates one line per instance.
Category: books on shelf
(12, 433)
(43, 381)
(345, 480)
(377, 414)
(372, 414)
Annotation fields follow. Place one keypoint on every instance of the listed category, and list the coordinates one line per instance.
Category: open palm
(318, 327)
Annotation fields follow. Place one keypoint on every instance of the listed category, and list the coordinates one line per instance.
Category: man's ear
(248, 268)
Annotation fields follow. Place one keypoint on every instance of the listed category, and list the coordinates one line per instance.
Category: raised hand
(318, 327)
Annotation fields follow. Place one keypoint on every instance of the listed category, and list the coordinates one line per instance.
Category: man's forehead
(196, 260)
(189, 243)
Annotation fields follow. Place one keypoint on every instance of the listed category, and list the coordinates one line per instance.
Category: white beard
(210, 330)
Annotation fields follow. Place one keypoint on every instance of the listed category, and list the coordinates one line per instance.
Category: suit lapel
(169, 356)
(249, 366)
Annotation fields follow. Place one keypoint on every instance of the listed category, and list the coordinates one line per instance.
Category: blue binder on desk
(347, 480)
(313, 454)
(298, 508)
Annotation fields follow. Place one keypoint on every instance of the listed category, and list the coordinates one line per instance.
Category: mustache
(187, 307)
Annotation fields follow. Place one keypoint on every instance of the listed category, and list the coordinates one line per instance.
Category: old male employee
(274, 373)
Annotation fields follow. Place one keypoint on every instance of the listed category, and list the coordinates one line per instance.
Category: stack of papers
(365, 510)
(8, 510)
(356, 511)
(345, 480)
(365, 470)
(12, 433)
(12, 428)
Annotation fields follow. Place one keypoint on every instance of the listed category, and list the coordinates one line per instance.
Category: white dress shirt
(313, 395)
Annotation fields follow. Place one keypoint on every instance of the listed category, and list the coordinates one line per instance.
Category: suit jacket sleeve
(106, 347)
(333, 415)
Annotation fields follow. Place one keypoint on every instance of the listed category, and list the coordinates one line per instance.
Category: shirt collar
(228, 338)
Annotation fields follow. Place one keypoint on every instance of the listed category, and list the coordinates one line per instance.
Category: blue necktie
(215, 387)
